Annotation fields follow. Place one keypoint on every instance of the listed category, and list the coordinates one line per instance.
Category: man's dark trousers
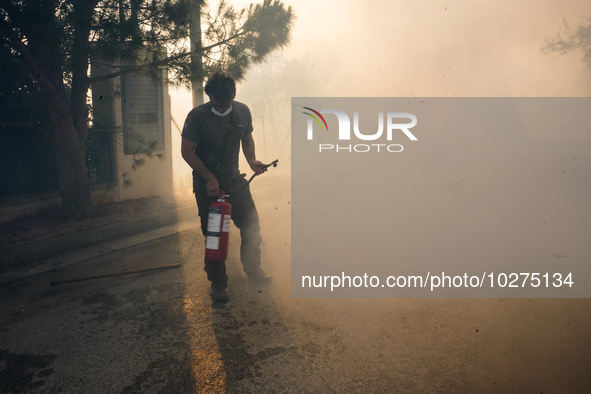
(244, 216)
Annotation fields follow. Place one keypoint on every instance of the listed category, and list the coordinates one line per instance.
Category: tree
(56, 39)
(571, 39)
(24, 134)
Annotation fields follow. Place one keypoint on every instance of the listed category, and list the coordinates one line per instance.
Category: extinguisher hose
(273, 164)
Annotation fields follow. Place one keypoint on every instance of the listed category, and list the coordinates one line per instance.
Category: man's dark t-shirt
(218, 138)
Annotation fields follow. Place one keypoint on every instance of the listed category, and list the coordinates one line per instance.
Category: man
(212, 135)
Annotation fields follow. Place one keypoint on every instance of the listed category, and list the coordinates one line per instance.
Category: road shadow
(119, 334)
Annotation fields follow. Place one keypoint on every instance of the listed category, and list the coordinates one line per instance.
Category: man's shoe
(218, 294)
(259, 277)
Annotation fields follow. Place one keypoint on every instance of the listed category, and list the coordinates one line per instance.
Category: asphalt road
(158, 332)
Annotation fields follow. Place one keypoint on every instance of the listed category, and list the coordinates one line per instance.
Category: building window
(143, 114)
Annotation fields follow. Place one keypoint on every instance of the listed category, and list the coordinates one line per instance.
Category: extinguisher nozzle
(273, 163)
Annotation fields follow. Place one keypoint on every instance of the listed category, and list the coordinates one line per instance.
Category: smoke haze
(421, 48)
(437, 49)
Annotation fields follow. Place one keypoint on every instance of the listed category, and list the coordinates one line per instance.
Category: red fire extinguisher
(218, 224)
(218, 229)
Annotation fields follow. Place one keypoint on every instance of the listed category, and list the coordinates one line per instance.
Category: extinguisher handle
(222, 194)
(273, 163)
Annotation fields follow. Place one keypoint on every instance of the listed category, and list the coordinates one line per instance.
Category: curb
(27, 253)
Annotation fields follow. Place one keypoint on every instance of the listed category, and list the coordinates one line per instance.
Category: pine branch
(165, 61)
(31, 62)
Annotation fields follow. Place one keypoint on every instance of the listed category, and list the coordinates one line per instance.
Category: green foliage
(571, 39)
(20, 98)
(235, 40)
(27, 154)
(150, 34)
(135, 31)
(54, 40)
(146, 35)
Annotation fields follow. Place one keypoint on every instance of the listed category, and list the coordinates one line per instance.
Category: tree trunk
(71, 159)
(196, 53)
(42, 53)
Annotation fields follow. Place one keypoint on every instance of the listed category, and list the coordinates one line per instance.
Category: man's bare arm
(188, 153)
(249, 152)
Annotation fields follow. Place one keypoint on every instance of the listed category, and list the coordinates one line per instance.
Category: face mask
(222, 114)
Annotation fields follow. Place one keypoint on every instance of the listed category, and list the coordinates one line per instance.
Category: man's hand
(213, 187)
(257, 166)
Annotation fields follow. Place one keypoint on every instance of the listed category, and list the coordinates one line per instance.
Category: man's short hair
(220, 86)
